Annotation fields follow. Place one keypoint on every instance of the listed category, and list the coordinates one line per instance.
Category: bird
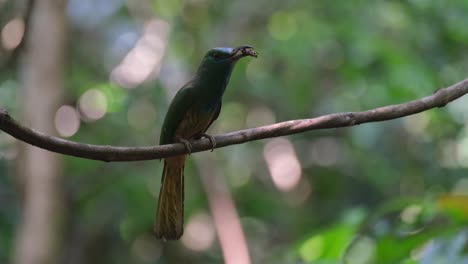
(191, 112)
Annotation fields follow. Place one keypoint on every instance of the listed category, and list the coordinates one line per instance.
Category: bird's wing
(215, 116)
(182, 102)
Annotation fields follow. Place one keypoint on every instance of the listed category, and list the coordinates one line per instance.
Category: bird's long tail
(170, 212)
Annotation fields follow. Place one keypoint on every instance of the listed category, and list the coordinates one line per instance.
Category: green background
(387, 192)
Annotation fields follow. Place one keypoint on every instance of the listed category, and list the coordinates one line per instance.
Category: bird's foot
(211, 139)
(187, 145)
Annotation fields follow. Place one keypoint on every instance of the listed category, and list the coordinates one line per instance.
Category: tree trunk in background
(39, 233)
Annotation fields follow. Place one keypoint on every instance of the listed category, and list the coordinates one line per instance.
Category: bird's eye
(216, 55)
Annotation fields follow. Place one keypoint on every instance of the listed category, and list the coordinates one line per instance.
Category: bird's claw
(211, 139)
(187, 145)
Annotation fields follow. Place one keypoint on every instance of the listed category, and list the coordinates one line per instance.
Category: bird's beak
(243, 51)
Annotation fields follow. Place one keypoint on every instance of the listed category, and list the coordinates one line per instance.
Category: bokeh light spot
(284, 167)
(67, 121)
(282, 25)
(93, 105)
(410, 214)
(144, 60)
(12, 33)
(115, 96)
(200, 233)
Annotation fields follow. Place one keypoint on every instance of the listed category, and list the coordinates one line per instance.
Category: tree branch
(110, 153)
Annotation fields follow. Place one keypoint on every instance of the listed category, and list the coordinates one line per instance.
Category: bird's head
(217, 65)
(219, 56)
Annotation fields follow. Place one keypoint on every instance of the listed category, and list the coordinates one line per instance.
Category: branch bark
(439, 98)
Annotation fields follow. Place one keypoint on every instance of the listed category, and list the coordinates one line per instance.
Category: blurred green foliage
(391, 192)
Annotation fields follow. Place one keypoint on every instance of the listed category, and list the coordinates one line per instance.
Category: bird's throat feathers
(212, 79)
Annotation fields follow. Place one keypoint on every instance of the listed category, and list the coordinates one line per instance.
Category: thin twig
(111, 153)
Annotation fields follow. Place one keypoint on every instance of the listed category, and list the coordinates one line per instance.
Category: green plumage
(194, 108)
